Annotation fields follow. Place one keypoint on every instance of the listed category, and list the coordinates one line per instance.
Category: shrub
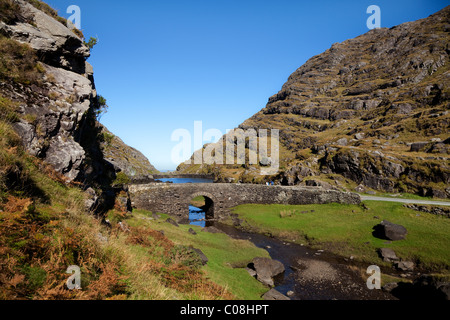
(107, 137)
(121, 179)
(9, 11)
(78, 33)
(100, 107)
(18, 62)
(185, 256)
(91, 43)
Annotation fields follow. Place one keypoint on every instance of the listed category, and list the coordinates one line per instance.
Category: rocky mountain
(371, 112)
(125, 159)
(47, 84)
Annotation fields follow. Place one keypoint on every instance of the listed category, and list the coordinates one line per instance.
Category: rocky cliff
(50, 88)
(125, 158)
(372, 111)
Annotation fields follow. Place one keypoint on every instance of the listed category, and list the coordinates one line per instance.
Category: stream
(309, 274)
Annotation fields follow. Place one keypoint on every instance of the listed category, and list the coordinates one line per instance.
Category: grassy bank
(227, 257)
(346, 230)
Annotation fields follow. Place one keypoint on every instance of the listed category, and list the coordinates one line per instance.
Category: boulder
(273, 294)
(201, 255)
(405, 265)
(342, 142)
(172, 222)
(433, 286)
(91, 200)
(418, 146)
(388, 287)
(251, 272)
(389, 231)
(265, 161)
(359, 136)
(318, 183)
(387, 254)
(266, 269)
(212, 229)
(436, 193)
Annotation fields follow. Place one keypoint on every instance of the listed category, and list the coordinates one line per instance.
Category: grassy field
(346, 230)
(227, 257)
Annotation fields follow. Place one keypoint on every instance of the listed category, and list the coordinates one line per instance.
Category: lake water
(196, 215)
(186, 180)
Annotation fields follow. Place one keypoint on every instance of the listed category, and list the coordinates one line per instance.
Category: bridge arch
(210, 201)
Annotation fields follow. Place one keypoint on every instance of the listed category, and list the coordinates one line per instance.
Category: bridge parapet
(174, 199)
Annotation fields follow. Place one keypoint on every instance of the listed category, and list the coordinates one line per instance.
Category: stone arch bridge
(174, 199)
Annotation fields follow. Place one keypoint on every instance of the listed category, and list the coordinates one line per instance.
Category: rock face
(372, 110)
(57, 121)
(58, 45)
(125, 158)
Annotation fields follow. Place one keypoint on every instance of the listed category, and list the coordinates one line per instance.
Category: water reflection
(186, 180)
(197, 216)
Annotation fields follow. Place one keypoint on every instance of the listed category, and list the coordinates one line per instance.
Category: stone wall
(174, 199)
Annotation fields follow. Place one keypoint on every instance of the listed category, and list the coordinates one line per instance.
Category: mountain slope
(373, 110)
(125, 159)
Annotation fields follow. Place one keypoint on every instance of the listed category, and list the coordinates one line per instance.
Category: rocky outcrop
(388, 255)
(58, 104)
(56, 108)
(54, 42)
(440, 211)
(125, 158)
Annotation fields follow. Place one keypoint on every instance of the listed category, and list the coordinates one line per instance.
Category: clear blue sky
(163, 64)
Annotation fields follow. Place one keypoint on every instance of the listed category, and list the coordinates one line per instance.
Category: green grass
(227, 257)
(347, 230)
